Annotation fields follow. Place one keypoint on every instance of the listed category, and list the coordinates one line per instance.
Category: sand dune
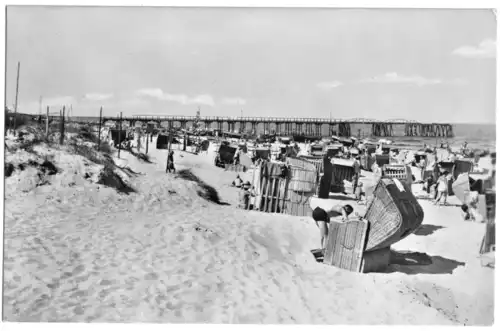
(79, 251)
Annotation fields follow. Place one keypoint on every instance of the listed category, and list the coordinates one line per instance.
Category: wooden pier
(316, 127)
(290, 126)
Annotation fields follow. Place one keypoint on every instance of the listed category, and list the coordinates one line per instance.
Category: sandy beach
(79, 251)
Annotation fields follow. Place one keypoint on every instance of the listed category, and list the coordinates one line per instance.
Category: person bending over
(322, 218)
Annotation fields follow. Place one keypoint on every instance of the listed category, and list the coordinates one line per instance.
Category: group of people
(246, 193)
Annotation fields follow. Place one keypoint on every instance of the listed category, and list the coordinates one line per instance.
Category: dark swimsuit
(320, 215)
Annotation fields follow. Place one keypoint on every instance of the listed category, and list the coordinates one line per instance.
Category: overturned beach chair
(364, 245)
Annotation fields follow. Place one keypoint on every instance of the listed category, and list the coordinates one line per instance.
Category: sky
(435, 65)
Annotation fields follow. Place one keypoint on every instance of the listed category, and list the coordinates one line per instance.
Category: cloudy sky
(425, 65)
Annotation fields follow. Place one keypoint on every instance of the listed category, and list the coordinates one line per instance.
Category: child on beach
(442, 188)
(237, 182)
(470, 210)
(359, 193)
(322, 218)
(245, 195)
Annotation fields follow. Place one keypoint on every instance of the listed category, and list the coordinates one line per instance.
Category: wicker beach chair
(393, 214)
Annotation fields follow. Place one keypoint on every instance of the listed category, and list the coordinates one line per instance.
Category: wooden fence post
(47, 123)
(17, 93)
(119, 135)
(139, 137)
(61, 138)
(184, 142)
(169, 141)
(99, 133)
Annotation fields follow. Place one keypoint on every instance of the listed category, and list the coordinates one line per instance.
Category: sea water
(477, 136)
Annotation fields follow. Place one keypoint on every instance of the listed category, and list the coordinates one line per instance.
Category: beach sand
(79, 251)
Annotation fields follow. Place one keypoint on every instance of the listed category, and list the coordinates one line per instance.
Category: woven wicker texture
(298, 203)
(288, 195)
(393, 214)
(345, 244)
(318, 163)
(303, 180)
(301, 163)
(488, 242)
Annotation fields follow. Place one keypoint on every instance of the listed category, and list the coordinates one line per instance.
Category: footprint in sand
(78, 310)
(106, 282)
(151, 276)
(79, 294)
(78, 270)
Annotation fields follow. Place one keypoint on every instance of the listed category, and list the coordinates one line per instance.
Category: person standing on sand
(326, 179)
(358, 193)
(170, 162)
(245, 195)
(442, 188)
(377, 172)
(357, 171)
(322, 218)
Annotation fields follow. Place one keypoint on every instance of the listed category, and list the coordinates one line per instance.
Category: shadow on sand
(427, 229)
(206, 191)
(413, 263)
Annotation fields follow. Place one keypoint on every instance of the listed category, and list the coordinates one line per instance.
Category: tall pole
(198, 128)
(47, 123)
(99, 133)
(120, 135)
(61, 138)
(17, 93)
